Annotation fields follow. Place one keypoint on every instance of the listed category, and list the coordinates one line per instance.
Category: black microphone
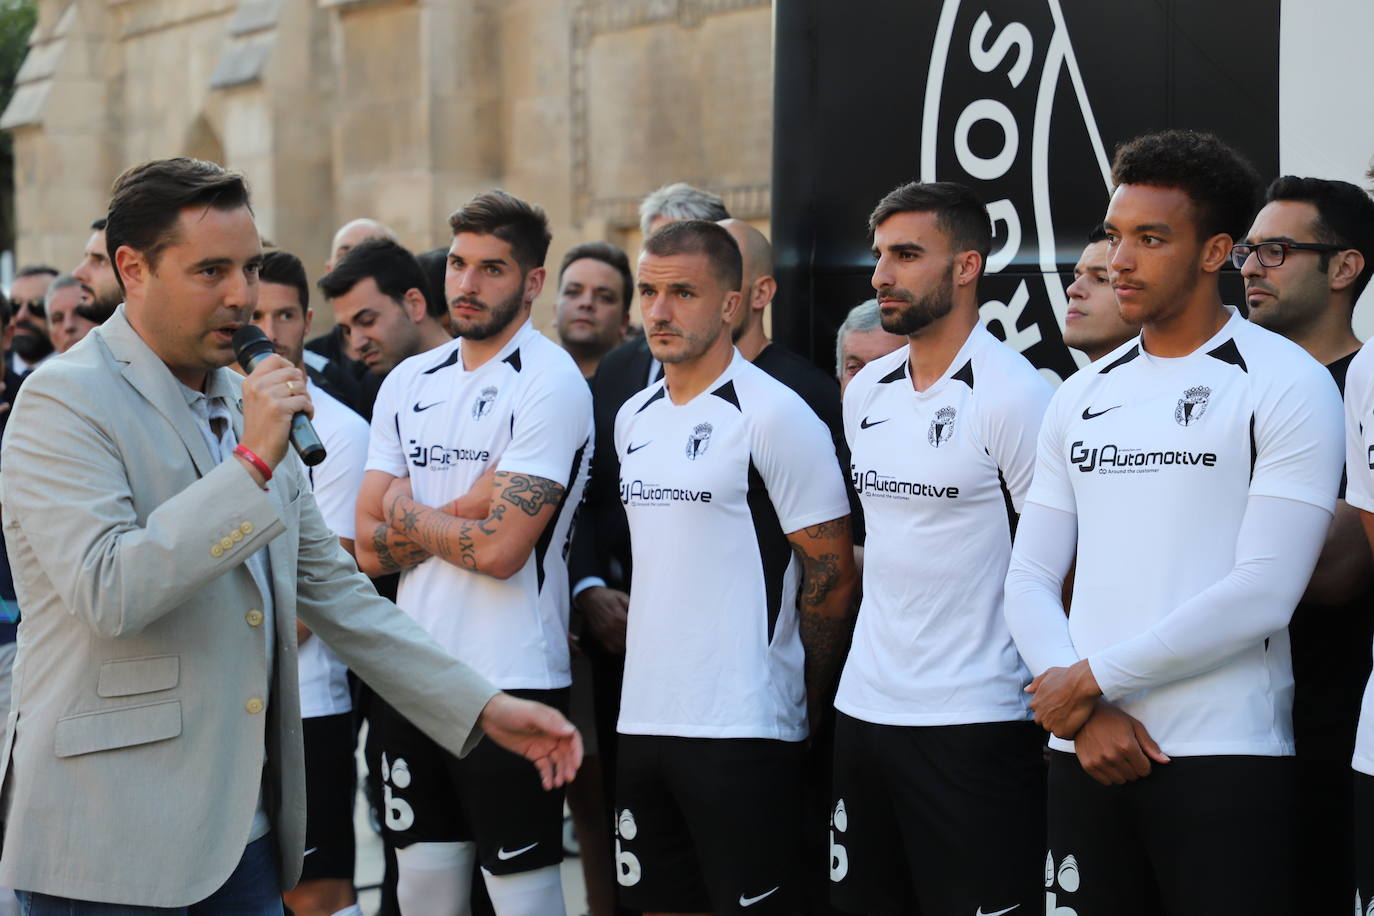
(250, 346)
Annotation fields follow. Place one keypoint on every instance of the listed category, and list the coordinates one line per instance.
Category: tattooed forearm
(819, 575)
(530, 494)
(824, 601)
(395, 552)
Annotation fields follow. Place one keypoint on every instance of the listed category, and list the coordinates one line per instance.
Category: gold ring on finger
(290, 386)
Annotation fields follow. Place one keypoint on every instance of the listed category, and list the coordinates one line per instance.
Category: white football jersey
(941, 473)
(335, 482)
(527, 411)
(1158, 458)
(1359, 492)
(712, 488)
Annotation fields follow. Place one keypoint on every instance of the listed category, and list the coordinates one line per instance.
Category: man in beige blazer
(164, 544)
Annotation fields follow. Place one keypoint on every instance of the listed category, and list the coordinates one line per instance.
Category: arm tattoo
(818, 578)
(530, 494)
(831, 529)
(394, 552)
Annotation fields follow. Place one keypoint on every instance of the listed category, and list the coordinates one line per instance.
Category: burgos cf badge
(1192, 405)
(482, 406)
(699, 441)
(942, 427)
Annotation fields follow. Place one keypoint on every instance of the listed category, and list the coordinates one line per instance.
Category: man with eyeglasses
(1193, 472)
(31, 344)
(1306, 259)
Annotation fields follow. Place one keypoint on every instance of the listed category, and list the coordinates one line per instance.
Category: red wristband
(244, 453)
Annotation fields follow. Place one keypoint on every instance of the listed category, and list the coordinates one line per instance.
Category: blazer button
(254, 618)
(217, 551)
(246, 528)
(254, 706)
(236, 535)
(225, 543)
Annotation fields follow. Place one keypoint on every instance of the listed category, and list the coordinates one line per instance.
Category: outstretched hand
(539, 733)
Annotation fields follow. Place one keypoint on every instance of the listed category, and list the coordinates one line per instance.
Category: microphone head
(251, 345)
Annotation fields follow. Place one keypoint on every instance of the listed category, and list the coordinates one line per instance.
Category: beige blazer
(143, 696)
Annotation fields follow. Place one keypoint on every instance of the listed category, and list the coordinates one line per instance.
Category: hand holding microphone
(276, 406)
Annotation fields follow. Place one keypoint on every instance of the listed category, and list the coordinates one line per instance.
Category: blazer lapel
(152, 379)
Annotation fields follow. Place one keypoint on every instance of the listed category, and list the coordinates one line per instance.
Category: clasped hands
(1113, 747)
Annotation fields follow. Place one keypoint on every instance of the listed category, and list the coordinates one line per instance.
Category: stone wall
(396, 109)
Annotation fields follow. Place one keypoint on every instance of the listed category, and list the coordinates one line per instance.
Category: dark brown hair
(524, 226)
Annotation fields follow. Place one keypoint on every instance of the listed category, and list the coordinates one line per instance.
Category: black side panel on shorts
(774, 550)
(546, 537)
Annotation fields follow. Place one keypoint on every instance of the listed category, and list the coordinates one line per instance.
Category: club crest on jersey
(942, 427)
(699, 441)
(482, 406)
(1192, 405)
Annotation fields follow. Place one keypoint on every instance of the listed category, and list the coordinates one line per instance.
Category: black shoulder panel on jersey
(1123, 360)
(965, 374)
(513, 359)
(452, 359)
(541, 549)
(726, 392)
(775, 552)
(654, 397)
(1230, 353)
(1254, 449)
(894, 375)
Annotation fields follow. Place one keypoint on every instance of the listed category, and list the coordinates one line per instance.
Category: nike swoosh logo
(309, 851)
(1087, 415)
(417, 408)
(750, 901)
(634, 448)
(864, 424)
(1014, 905)
(503, 855)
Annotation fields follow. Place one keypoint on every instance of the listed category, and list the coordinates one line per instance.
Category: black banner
(1023, 101)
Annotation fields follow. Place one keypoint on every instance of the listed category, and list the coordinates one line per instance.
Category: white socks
(530, 893)
(435, 879)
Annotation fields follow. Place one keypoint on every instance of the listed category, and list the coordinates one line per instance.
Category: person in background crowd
(1305, 261)
(101, 294)
(861, 339)
(65, 326)
(939, 782)
(740, 603)
(30, 344)
(591, 313)
(1193, 472)
(327, 727)
(378, 294)
(475, 469)
(1094, 323)
(592, 310)
(333, 345)
(678, 201)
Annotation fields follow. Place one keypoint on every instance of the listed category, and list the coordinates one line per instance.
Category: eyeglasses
(35, 307)
(1272, 254)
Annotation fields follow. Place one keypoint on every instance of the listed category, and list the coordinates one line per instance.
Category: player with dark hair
(1193, 471)
(939, 785)
(1307, 256)
(740, 600)
(477, 462)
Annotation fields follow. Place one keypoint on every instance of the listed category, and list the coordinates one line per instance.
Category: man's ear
(1216, 252)
(534, 284)
(1345, 267)
(415, 305)
(133, 269)
(765, 288)
(967, 266)
(733, 303)
(309, 317)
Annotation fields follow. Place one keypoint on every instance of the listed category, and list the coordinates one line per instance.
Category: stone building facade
(395, 109)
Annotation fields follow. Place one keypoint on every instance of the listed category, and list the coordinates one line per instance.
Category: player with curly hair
(1193, 472)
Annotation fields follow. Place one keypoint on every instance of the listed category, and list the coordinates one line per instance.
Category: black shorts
(1199, 835)
(330, 786)
(937, 819)
(708, 824)
(1364, 841)
(492, 796)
